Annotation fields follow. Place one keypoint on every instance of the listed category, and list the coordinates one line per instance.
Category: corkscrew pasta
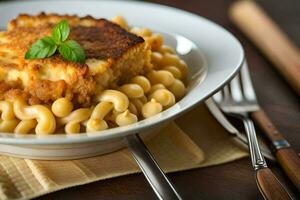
(126, 118)
(8, 125)
(25, 126)
(45, 119)
(140, 97)
(143, 82)
(7, 112)
(161, 76)
(151, 108)
(119, 99)
(164, 97)
(75, 119)
(96, 121)
(8, 122)
(132, 90)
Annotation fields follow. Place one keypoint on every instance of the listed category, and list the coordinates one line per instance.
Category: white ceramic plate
(217, 60)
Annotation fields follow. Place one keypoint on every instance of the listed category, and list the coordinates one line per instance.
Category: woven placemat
(194, 140)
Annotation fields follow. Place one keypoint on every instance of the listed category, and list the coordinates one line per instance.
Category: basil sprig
(48, 45)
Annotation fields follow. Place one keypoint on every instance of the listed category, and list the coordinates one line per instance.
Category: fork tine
(235, 88)
(217, 97)
(247, 84)
(226, 92)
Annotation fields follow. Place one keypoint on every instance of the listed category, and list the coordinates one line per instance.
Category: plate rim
(83, 137)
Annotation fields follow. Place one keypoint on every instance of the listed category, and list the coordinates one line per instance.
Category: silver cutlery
(238, 138)
(239, 101)
(159, 182)
(286, 156)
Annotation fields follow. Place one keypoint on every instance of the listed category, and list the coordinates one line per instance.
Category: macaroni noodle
(156, 58)
(177, 88)
(132, 90)
(143, 32)
(143, 82)
(62, 107)
(7, 110)
(161, 76)
(155, 41)
(8, 125)
(164, 97)
(174, 70)
(126, 118)
(156, 87)
(151, 108)
(25, 126)
(132, 108)
(138, 104)
(97, 122)
(119, 99)
(120, 21)
(166, 49)
(74, 119)
(45, 120)
(173, 60)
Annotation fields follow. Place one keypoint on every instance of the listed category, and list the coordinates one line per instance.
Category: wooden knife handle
(267, 126)
(290, 162)
(268, 37)
(286, 156)
(270, 186)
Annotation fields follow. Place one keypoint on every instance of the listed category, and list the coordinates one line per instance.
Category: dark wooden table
(233, 180)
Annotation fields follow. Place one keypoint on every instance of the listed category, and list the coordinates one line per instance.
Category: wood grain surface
(232, 180)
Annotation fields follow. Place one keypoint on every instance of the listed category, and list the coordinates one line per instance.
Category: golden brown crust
(110, 50)
(104, 41)
(47, 91)
(100, 38)
(14, 94)
(7, 85)
(26, 20)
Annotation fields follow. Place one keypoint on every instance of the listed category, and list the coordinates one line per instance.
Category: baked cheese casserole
(113, 57)
(128, 75)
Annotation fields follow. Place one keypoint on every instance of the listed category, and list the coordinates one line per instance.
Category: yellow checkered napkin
(194, 140)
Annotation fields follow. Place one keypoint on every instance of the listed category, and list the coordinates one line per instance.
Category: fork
(238, 101)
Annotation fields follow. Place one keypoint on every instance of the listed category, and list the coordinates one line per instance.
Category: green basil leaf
(43, 48)
(56, 35)
(47, 46)
(61, 31)
(72, 51)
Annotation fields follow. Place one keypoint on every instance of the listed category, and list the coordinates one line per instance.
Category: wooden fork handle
(268, 37)
(286, 156)
(270, 186)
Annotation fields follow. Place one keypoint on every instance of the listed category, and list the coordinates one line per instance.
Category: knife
(285, 154)
(238, 138)
(285, 56)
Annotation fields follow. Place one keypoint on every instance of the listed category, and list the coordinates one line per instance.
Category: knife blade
(237, 137)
